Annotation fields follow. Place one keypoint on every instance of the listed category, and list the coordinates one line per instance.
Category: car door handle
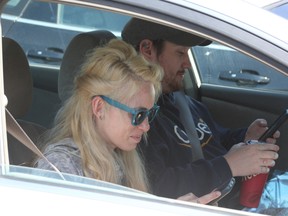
(50, 54)
(244, 76)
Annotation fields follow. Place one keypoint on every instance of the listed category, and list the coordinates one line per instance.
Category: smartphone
(224, 189)
(275, 126)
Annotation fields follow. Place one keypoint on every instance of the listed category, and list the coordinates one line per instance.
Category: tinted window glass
(41, 11)
(15, 7)
(44, 30)
(91, 18)
(221, 65)
(48, 27)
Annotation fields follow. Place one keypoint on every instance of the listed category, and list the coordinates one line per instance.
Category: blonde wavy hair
(115, 70)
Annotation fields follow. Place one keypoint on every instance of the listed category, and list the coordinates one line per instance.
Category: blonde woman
(98, 128)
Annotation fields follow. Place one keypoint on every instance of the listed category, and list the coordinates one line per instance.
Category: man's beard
(172, 86)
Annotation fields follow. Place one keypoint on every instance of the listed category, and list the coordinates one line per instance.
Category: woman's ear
(146, 49)
(98, 105)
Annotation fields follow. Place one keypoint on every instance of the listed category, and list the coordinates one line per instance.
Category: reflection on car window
(41, 11)
(91, 18)
(45, 29)
(221, 65)
(15, 7)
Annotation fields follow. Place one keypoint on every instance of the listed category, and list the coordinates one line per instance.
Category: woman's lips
(137, 138)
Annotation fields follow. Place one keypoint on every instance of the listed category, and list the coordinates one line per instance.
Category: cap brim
(137, 30)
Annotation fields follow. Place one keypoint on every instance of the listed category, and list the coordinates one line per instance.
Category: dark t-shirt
(168, 153)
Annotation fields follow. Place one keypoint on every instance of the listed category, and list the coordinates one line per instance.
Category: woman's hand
(190, 197)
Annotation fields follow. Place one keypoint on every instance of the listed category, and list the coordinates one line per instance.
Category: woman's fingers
(190, 197)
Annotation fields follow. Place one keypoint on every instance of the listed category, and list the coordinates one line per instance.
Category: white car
(279, 7)
(241, 76)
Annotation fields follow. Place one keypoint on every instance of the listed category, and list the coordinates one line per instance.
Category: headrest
(18, 84)
(137, 30)
(74, 57)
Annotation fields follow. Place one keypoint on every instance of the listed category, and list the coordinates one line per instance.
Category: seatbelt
(16, 131)
(188, 123)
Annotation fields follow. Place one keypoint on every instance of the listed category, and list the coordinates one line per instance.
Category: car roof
(248, 20)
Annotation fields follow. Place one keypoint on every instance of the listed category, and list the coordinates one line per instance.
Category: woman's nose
(145, 126)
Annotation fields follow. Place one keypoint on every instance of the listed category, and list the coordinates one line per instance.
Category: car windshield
(279, 7)
(281, 10)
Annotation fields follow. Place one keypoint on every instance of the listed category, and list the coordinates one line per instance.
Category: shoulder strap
(16, 131)
(188, 122)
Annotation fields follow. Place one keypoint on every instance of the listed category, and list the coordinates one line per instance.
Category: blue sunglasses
(138, 115)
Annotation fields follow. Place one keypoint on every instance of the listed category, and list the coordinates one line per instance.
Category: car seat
(18, 88)
(74, 56)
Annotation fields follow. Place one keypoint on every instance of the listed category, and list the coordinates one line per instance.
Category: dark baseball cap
(137, 30)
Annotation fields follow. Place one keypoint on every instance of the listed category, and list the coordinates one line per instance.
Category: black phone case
(275, 126)
(224, 191)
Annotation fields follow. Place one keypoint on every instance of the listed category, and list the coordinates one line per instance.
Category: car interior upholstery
(18, 87)
(20, 98)
(74, 57)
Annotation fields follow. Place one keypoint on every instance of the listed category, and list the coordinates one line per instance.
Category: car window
(41, 11)
(15, 7)
(221, 65)
(279, 7)
(44, 29)
(281, 10)
(92, 18)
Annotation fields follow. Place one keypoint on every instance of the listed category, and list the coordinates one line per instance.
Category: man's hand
(257, 128)
(252, 159)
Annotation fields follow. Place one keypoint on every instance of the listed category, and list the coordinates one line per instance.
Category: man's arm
(170, 168)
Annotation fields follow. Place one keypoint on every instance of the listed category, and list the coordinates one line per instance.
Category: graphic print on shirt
(203, 132)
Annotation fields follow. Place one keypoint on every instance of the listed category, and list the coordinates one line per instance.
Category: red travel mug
(251, 189)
